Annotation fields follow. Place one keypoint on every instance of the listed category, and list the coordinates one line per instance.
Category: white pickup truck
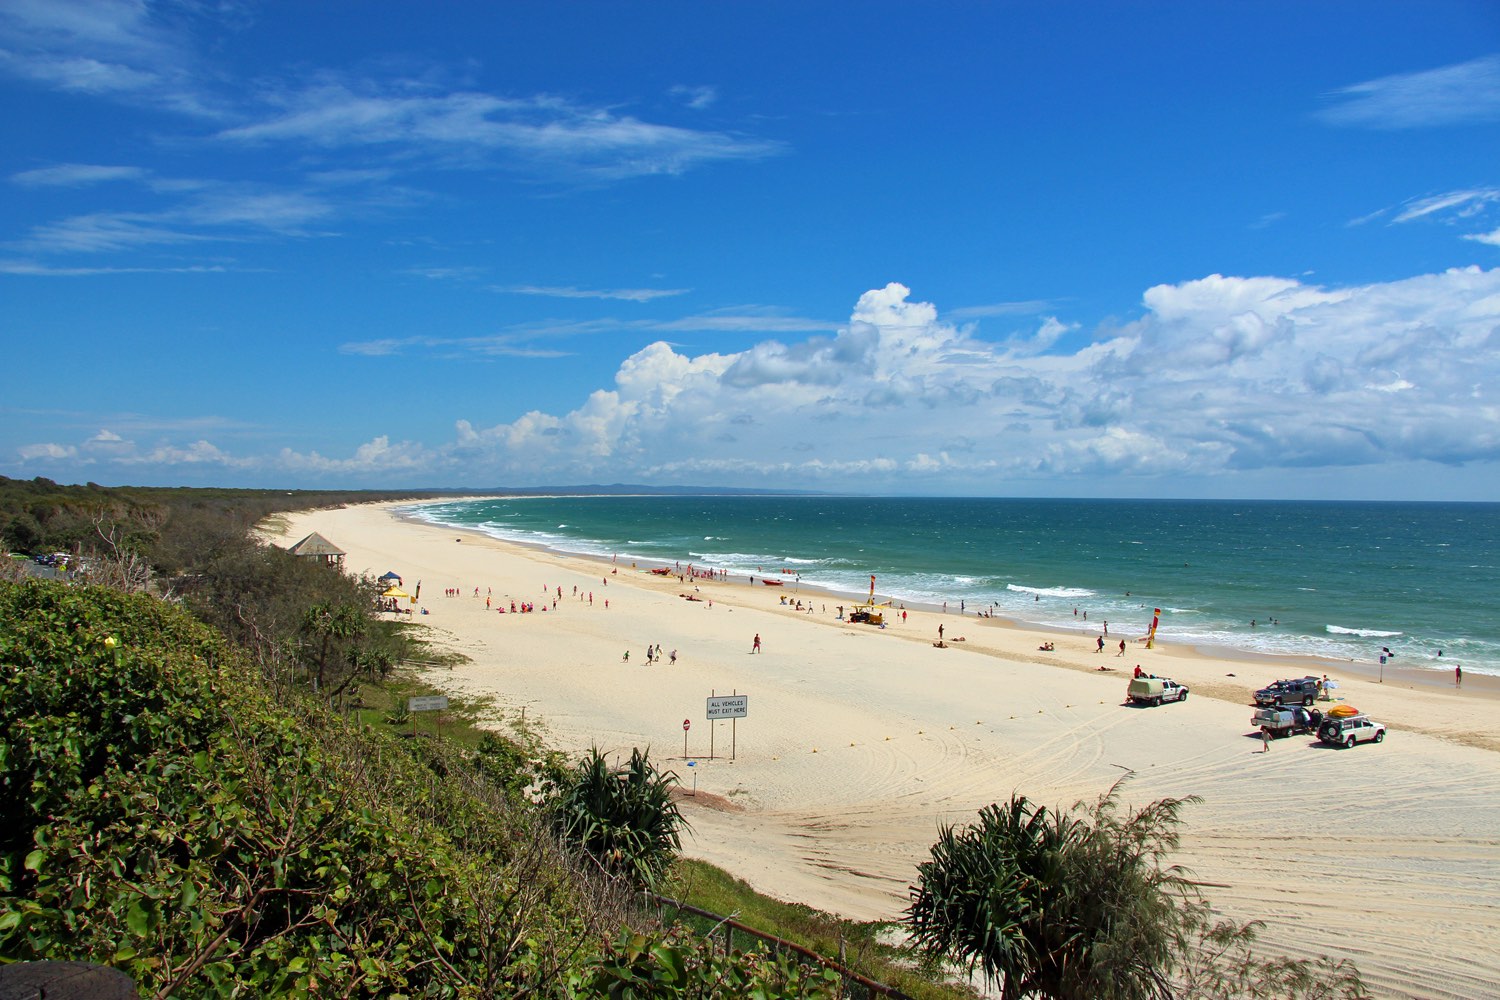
(1151, 690)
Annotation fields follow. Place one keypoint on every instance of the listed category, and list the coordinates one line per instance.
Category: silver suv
(1349, 730)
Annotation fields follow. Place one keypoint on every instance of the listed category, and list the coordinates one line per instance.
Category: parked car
(1287, 721)
(1349, 730)
(1154, 691)
(1301, 691)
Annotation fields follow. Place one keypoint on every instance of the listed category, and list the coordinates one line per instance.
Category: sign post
(425, 703)
(686, 725)
(728, 706)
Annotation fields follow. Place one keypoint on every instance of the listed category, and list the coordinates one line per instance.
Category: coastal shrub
(622, 817)
(165, 816)
(679, 965)
(1080, 904)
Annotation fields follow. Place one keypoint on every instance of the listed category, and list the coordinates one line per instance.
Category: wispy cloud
(1450, 95)
(547, 134)
(1028, 307)
(208, 213)
(124, 49)
(696, 98)
(34, 269)
(76, 175)
(539, 339)
(1457, 204)
(569, 292)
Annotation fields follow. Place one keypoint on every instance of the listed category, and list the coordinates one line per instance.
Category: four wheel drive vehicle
(1155, 690)
(1287, 721)
(1302, 691)
(1349, 730)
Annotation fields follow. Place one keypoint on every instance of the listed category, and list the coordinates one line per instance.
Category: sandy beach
(860, 741)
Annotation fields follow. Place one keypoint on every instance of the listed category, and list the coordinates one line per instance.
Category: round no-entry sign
(687, 724)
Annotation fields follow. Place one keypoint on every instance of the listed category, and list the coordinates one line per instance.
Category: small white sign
(427, 703)
(728, 706)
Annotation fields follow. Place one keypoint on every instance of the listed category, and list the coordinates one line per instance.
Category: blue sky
(1146, 249)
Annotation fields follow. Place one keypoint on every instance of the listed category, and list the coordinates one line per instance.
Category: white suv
(1352, 729)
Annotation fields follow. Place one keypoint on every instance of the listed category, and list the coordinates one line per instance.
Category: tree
(622, 817)
(1081, 905)
(328, 627)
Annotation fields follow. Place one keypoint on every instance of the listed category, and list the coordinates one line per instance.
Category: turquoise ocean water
(1330, 579)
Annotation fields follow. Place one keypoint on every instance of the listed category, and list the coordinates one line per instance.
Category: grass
(864, 944)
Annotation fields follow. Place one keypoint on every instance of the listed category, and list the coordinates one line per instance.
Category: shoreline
(1283, 664)
(860, 741)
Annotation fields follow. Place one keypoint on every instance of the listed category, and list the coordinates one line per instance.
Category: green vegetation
(210, 781)
(1079, 905)
(622, 817)
(204, 796)
(172, 820)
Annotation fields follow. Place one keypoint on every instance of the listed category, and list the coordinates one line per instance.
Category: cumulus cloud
(1219, 374)
(34, 452)
(378, 456)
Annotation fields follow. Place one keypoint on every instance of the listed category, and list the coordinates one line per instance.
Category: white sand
(859, 742)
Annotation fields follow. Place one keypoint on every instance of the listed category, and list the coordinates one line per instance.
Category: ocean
(1343, 580)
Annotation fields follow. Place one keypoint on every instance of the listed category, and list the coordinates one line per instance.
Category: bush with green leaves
(680, 966)
(1080, 904)
(622, 817)
(163, 815)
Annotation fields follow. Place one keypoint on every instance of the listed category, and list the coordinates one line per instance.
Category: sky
(1155, 249)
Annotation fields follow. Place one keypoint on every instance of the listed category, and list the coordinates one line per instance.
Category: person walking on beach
(674, 658)
(1265, 739)
(940, 632)
(1100, 647)
(1122, 648)
(1458, 676)
(755, 646)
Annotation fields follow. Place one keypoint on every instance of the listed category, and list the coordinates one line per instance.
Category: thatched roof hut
(315, 546)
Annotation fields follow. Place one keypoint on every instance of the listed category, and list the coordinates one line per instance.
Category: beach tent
(390, 577)
(394, 592)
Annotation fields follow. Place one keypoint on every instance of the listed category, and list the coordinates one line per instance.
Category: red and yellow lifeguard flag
(1155, 618)
(872, 588)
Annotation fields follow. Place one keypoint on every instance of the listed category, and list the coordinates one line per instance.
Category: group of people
(653, 655)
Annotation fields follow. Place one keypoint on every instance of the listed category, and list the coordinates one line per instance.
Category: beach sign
(728, 706)
(687, 724)
(428, 703)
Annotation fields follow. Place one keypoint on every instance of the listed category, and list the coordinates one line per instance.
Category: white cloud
(543, 133)
(125, 49)
(375, 457)
(1492, 238)
(1220, 375)
(569, 292)
(696, 98)
(76, 175)
(33, 452)
(1450, 95)
(1462, 204)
